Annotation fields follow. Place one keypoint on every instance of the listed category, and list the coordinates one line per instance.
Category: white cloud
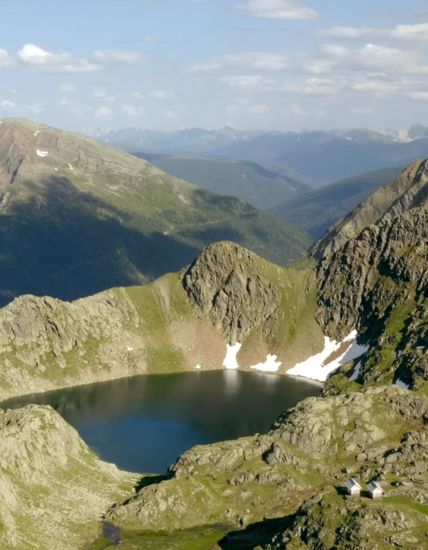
(347, 32)
(38, 58)
(133, 111)
(259, 61)
(7, 104)
(161, 94)
(137, 95)
(420, 96)
(117, 56)
(295, 109)
(250, 82)
(67, 88)
(258, 109)
(5, 59)
(362, 110)
(103, 94)
(278, 9)
(319, 66)
(168, 114)
(383, 58)
(334, 50)
(417, 32)
(370, 57)
(323, 87)
(103, 112)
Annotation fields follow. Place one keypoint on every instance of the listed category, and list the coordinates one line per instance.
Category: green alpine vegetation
(247, 181)
(81, 217)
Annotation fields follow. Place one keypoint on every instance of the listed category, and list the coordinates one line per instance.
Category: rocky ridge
(53, 488)
(225, 286)
(377, 282)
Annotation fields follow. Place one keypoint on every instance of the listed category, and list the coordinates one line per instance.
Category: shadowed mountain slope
(317, 210)
(77, 216)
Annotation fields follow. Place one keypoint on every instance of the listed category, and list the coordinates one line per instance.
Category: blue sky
(253, 64)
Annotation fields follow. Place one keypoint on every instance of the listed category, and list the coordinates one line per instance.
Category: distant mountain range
(311, 157)
(77, 216)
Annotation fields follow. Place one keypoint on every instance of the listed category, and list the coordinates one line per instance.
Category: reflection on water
(143, 423)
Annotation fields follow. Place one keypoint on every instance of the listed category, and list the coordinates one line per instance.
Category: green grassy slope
(245, 180)
(86, 217)
(46, 343)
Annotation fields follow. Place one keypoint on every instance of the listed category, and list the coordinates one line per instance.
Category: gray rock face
(225, 285)
(384, 265)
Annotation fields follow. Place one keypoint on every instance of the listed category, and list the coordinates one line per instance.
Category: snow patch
(198, 367)
(401, 384)
(230, 362)
(130, 349)
(42, 153)
(70, 166)
(316, 368)
(36, 133)
(270, 365)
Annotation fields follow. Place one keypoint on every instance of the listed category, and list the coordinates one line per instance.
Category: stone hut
(353, 488)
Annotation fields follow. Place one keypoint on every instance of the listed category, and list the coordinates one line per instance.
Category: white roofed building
(353, 487)
(375, 489)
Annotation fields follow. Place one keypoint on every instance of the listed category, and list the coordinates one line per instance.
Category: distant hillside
(316, 210)
(77, 216)
(312, 157)
(245, 180)
(318, 158)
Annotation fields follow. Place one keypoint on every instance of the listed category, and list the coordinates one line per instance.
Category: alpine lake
(142, 424)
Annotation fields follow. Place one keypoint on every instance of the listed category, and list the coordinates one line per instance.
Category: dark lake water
(144, 423)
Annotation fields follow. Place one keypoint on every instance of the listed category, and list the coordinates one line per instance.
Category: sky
(252, 64)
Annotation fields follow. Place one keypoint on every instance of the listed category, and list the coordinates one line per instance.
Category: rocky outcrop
(53, 488)
(226, 285)
(385, 265)
(372, 276)
(309, 451)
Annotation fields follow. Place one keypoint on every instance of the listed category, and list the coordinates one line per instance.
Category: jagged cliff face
(385, 265)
